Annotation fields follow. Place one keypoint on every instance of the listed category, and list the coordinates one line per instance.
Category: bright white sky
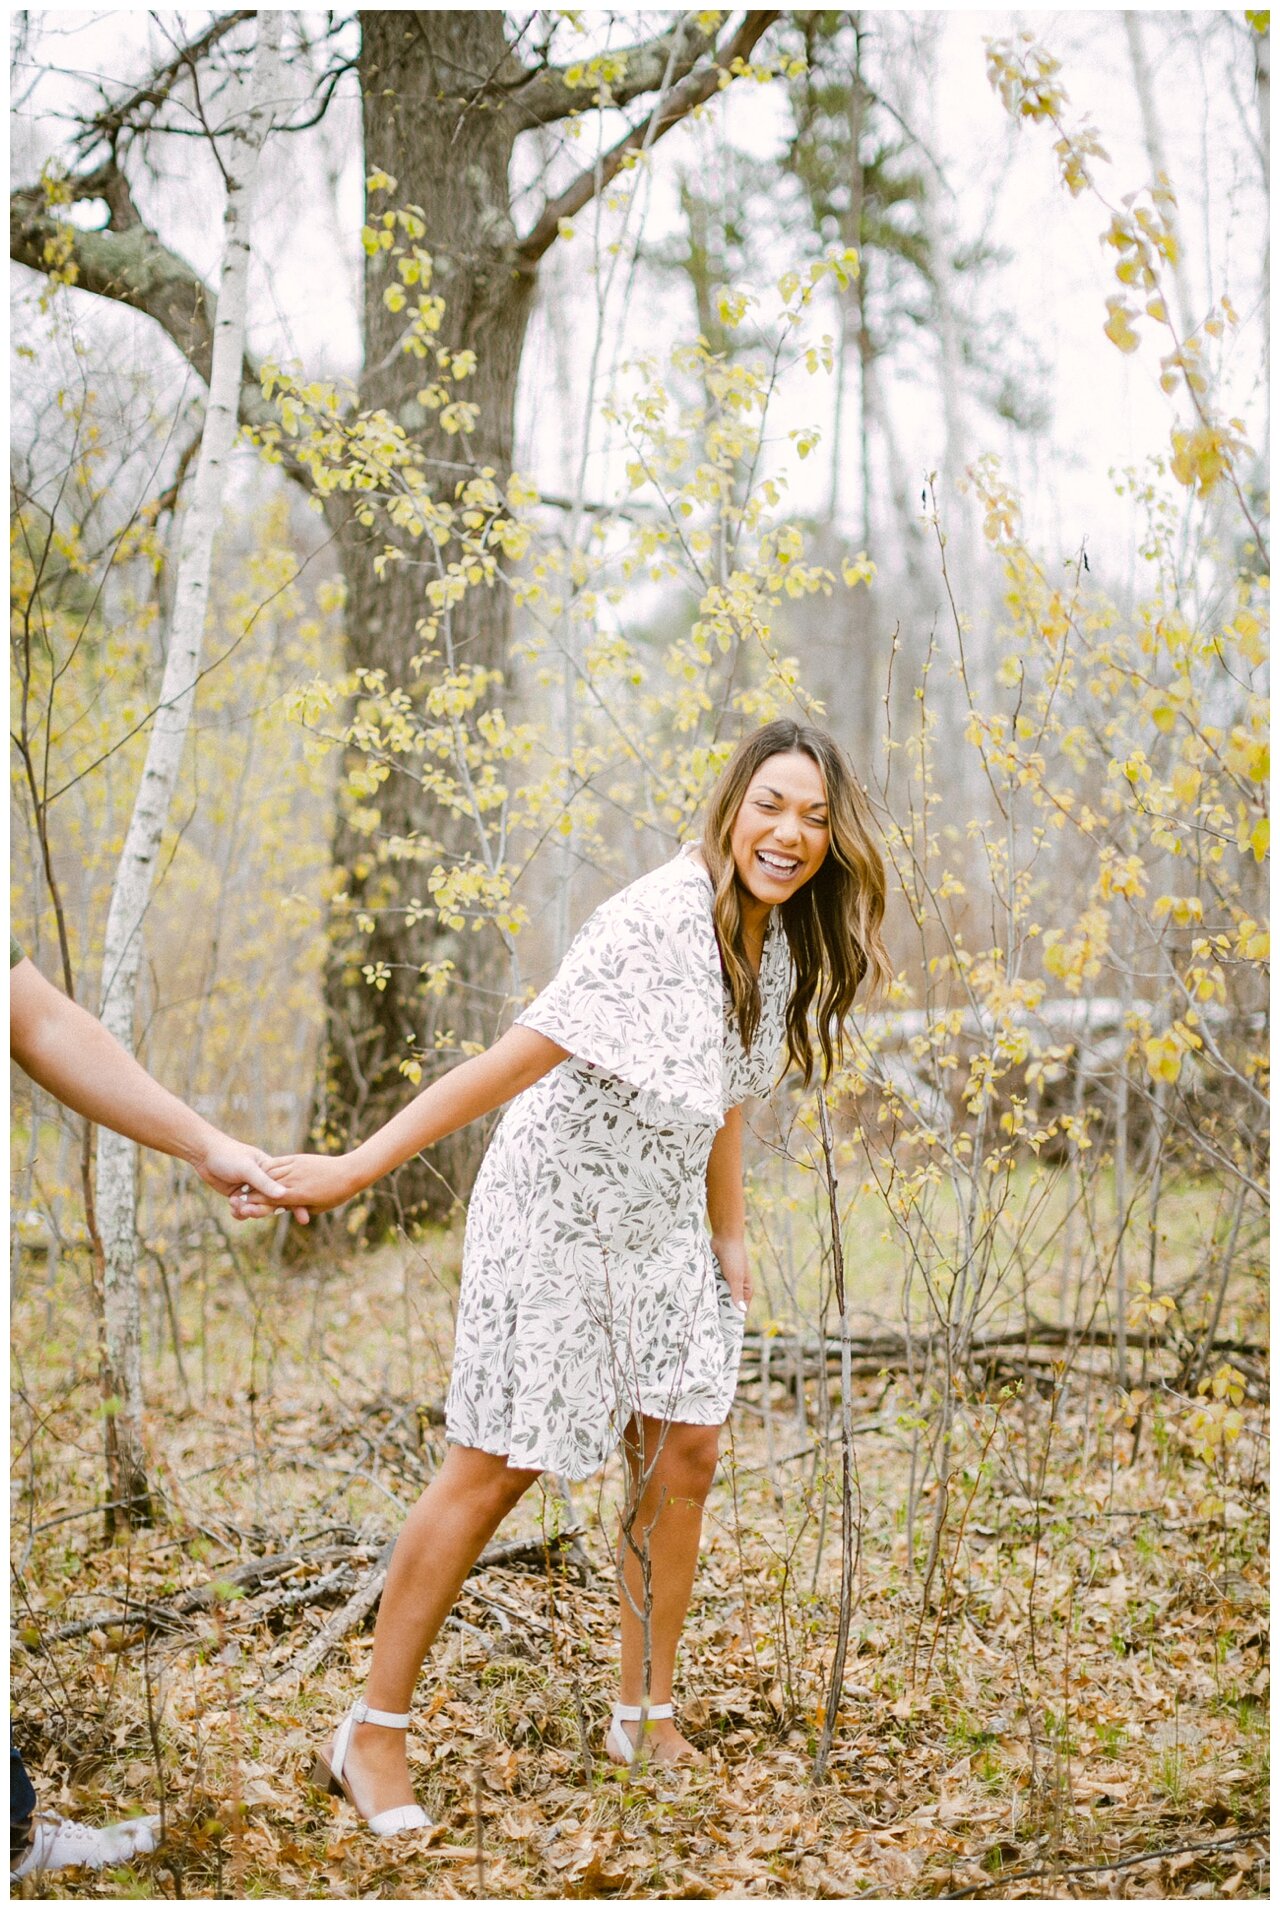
(1106, 410)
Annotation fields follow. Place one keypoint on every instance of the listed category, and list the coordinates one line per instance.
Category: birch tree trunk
(242, 142)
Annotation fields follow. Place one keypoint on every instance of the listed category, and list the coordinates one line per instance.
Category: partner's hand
(732, 1256)
(227, 1165)
(307, 1183)
(230, 1166)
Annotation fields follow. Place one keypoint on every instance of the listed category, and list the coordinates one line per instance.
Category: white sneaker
(58, 1844)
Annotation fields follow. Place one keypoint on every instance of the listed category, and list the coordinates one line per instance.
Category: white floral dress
(589, 1289)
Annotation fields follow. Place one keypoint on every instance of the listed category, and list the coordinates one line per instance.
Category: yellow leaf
(1118, 329)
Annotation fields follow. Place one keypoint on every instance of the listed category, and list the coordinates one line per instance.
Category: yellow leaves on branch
(470, 892)
(1119, 875)
(1165, 1053)
(1217, 1422)
(1181, 909)
(1142, 232)
(598, 76)
(785, 66)
(1118, 327)
(1025, 76)
(1076, 957)
(1204, 455)
(1151, 1312)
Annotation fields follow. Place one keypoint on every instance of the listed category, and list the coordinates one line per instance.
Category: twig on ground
(344, 1620)
(1086, 1870)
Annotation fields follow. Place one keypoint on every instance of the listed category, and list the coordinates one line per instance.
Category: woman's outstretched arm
(475, 1087)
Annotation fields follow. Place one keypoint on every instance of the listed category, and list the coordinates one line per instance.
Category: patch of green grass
(1171, 1776)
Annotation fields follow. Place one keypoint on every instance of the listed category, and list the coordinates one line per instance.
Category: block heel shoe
(616, 1742)
(328, 1773)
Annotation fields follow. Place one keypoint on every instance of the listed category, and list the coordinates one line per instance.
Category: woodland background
(606, 383)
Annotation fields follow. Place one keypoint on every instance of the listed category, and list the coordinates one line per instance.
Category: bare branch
(129, 264)
(122, 114)
(108, 183)
(544, 94)
(691, 92)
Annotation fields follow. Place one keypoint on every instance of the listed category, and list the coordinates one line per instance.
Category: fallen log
(369, 1591)
(136, 1615)
(782, 1355)
(155, 1615)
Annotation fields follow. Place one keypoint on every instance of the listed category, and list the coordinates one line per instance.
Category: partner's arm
(69, 1053)
(474, 1088)
(726, 1207)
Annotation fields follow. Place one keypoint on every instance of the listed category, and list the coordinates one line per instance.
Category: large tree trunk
(452, 160)
(444, 98)
(131, 890)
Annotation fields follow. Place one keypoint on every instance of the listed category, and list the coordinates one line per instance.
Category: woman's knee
(488, 1479)
(688, 1461)
(510, 1485)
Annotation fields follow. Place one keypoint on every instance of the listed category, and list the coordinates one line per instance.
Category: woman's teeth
(777, 865)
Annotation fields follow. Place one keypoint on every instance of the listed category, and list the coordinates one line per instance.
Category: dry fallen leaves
(1095, 1692)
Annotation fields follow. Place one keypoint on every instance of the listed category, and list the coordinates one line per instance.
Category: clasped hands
(302, 1183)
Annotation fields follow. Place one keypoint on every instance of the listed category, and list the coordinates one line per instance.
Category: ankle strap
(393, 1720)
(631, 1713)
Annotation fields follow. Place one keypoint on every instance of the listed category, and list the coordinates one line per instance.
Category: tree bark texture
(451, 158)
(135, 873)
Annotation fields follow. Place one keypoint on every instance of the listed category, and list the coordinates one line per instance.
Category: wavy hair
(832, 924)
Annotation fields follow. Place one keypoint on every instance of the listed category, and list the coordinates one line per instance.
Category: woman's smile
(781, 833)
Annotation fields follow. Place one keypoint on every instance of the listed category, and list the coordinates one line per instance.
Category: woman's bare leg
(680, 1461)
(443, 1537)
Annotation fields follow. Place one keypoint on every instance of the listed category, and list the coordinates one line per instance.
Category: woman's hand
(311, 1183)
(732, 1256)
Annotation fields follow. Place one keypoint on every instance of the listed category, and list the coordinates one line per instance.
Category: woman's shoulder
(682, 879)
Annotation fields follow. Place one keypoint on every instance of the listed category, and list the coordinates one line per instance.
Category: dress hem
(566, 1472)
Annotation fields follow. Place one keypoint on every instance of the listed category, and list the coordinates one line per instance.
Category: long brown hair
(832, 924)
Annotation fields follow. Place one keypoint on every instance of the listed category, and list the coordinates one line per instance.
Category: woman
(596, 1303)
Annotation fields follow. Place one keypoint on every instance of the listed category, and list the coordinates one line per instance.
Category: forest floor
(1076, 1705)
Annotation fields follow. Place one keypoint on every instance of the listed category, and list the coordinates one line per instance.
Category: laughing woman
(605, 1281)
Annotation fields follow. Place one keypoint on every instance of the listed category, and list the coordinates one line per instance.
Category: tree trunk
(451, 160)
(444, 97)
(131, 891)
(1145, 89)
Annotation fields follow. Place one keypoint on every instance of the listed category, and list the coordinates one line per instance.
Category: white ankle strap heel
(616, 1742)
(361, 1713)
(329, 1773)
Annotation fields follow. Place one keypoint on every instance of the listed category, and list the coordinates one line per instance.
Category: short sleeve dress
(589, 1289)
